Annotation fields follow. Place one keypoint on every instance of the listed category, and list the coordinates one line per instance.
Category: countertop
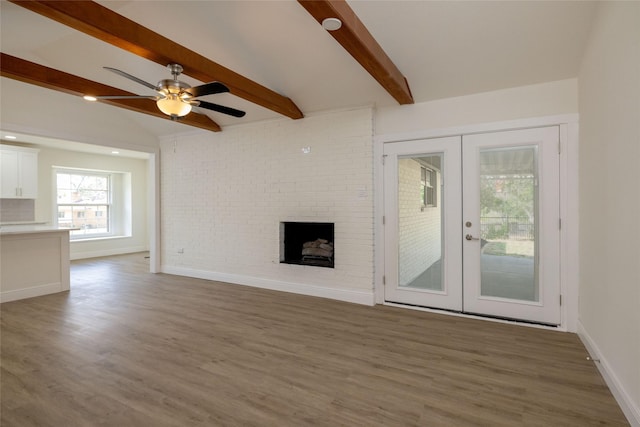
(3, 223)
(32, 228)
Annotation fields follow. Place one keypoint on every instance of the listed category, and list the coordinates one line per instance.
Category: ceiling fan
(176, 98)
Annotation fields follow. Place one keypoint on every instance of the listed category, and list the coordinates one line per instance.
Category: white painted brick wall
(419, 230)
(223, 196)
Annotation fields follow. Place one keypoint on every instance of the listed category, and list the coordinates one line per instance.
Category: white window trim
(119, 215)
(431, 173)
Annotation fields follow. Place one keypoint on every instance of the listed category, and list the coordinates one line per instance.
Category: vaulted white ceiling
(444, 49)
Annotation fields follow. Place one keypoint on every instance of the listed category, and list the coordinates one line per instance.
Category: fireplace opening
(307, 243)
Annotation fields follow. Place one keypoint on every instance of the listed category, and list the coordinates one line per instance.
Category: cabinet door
(9, 177)
(28, 168)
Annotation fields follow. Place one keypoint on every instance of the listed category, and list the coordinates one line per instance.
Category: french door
(472, 224)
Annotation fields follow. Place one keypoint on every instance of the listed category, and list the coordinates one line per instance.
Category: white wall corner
(622, 396)
(153, 209)
(378, 227)
(569, 233)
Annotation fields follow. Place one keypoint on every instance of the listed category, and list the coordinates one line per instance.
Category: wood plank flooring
(128, 348)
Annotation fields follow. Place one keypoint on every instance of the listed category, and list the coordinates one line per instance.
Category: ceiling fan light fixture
(176, 98)
(173, 106)
(331, 24)
(89, 98)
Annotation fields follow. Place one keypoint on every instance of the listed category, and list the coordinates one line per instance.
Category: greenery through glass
(508, 194)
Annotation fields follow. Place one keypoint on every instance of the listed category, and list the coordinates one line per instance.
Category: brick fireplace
(226, 197)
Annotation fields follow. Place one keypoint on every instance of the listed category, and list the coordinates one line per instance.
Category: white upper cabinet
(18, 173)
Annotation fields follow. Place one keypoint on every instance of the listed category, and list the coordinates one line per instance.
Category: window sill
(95, 239)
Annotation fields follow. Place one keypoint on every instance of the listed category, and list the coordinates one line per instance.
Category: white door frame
(569, 261)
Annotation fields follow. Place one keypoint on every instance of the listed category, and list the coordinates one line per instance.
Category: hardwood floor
(130, 348)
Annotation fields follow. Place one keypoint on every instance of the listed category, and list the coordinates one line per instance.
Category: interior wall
(545, 99)
(45, 208)
(609, 93)
(224, 195)
(73, 119)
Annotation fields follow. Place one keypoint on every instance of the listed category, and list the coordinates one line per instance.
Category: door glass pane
(420, 219)
(508, 224)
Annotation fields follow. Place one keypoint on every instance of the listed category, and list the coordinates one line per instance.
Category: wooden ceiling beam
(39, 75)
(98, 21)
(358, 41)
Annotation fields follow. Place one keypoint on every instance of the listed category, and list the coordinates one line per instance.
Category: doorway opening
(472, 224)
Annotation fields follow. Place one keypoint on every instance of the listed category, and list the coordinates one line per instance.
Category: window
(428, 187)
(94, 202)
(80, 195)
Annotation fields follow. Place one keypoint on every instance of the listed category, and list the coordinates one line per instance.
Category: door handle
(470, 237)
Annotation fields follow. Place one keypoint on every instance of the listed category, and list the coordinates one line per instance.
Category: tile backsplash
(17, 210)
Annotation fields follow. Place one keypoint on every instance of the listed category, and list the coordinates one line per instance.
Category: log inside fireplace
(307, 243)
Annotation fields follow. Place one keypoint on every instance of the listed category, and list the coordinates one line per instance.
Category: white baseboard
(107, 252)
(348, 295)
(628, 406)
(33, 291)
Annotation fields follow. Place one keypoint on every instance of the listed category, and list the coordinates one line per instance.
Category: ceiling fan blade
(207, 89)
(126, 97)
(130, 77)
(219, 108)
